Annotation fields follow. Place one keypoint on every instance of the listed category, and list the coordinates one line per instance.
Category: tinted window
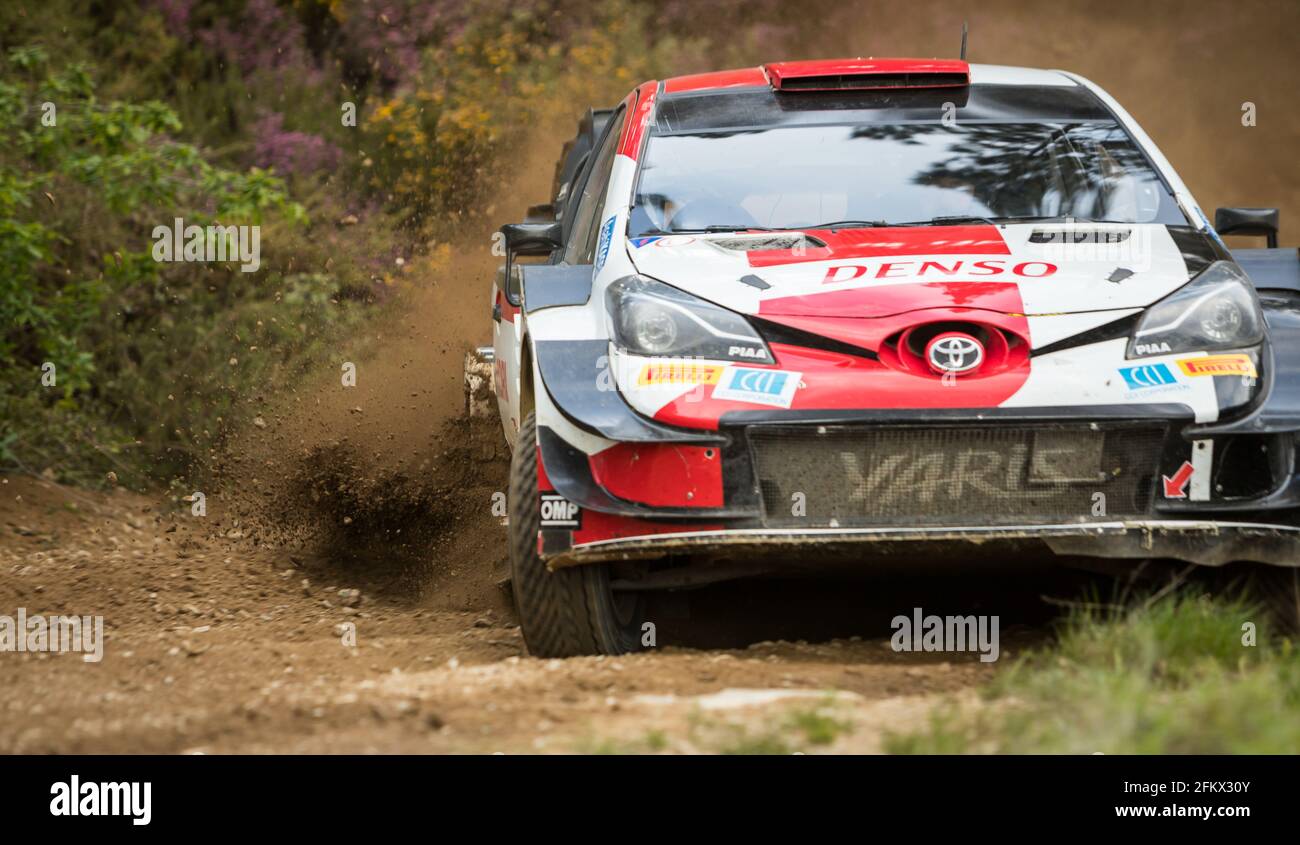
(582, 240)
(799, 176)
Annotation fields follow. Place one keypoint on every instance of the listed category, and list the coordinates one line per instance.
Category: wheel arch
(527, 394)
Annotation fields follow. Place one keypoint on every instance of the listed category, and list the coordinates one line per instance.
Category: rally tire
(571, 611)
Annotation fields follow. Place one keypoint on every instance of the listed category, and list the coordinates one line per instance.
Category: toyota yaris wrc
(825, 311)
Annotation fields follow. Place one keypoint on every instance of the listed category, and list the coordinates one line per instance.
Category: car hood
(1024, 269)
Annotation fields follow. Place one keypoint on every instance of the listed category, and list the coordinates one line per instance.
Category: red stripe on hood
(866, 317)
(884, 242)
(833, 381)
(869, 334)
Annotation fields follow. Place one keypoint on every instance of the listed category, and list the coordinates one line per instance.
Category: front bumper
(717, 498)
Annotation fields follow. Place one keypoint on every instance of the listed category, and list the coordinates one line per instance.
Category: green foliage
(1171, 678)
(82, 185)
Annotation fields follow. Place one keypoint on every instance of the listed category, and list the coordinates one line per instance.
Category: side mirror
(1248, 221)
(533, 238)
(530, 239)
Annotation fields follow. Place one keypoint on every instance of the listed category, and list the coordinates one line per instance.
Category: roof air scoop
(867, 74)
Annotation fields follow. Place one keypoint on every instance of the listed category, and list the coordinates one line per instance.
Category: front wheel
(570, 611)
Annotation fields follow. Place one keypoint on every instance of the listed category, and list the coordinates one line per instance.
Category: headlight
(1216, 310)
(654, 319)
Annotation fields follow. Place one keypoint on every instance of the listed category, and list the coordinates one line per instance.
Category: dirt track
(215, 644)
(223, 632)
(219, 644)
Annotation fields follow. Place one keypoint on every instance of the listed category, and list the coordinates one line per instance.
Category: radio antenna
(963, 41)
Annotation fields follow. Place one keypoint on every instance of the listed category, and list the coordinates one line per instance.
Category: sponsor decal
(678, 372)
(746, 352)
(559, 512)
(944, 477)
(602, 246)
(762, 387)
(1176, 487)
(499, 378)
(1147, 380)
(1148, 376)
(640, 242)
(1218, 365)
(1151, 348)
(938, 270)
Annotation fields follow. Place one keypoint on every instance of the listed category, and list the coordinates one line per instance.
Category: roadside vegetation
(1174, 676)
(364, 138)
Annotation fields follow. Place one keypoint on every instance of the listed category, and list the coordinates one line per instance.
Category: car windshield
(793, 177)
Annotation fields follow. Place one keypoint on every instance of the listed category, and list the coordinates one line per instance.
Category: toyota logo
(954, 352)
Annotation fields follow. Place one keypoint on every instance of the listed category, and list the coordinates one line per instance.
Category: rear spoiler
(867, 74)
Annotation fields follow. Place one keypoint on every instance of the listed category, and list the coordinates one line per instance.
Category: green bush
(82, 186)
(1171, 678)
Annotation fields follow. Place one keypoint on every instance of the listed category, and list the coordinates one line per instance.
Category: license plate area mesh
(948, 475)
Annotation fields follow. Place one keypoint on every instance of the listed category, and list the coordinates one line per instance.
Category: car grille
(905, 475)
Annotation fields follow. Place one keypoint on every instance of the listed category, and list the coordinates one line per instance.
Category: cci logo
(1150, 375)
(761, 387)
(768, 382)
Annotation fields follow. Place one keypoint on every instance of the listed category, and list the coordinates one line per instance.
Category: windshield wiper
(957, 219)
(946, 220)
(845, 224)
(952, 220)
(706, 230)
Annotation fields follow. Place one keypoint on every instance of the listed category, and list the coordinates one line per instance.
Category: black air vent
(758, 243)
(860, 81)
(1080, 236)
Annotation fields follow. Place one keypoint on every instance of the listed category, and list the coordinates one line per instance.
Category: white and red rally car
(816, 310)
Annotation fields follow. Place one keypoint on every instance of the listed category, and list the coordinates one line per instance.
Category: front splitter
(1208, 543)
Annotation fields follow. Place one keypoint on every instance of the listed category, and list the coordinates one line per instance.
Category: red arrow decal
(1176, 487)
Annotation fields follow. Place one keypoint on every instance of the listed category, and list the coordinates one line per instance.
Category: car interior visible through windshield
(791, 177)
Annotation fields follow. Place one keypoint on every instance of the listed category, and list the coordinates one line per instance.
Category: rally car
(836, 309)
